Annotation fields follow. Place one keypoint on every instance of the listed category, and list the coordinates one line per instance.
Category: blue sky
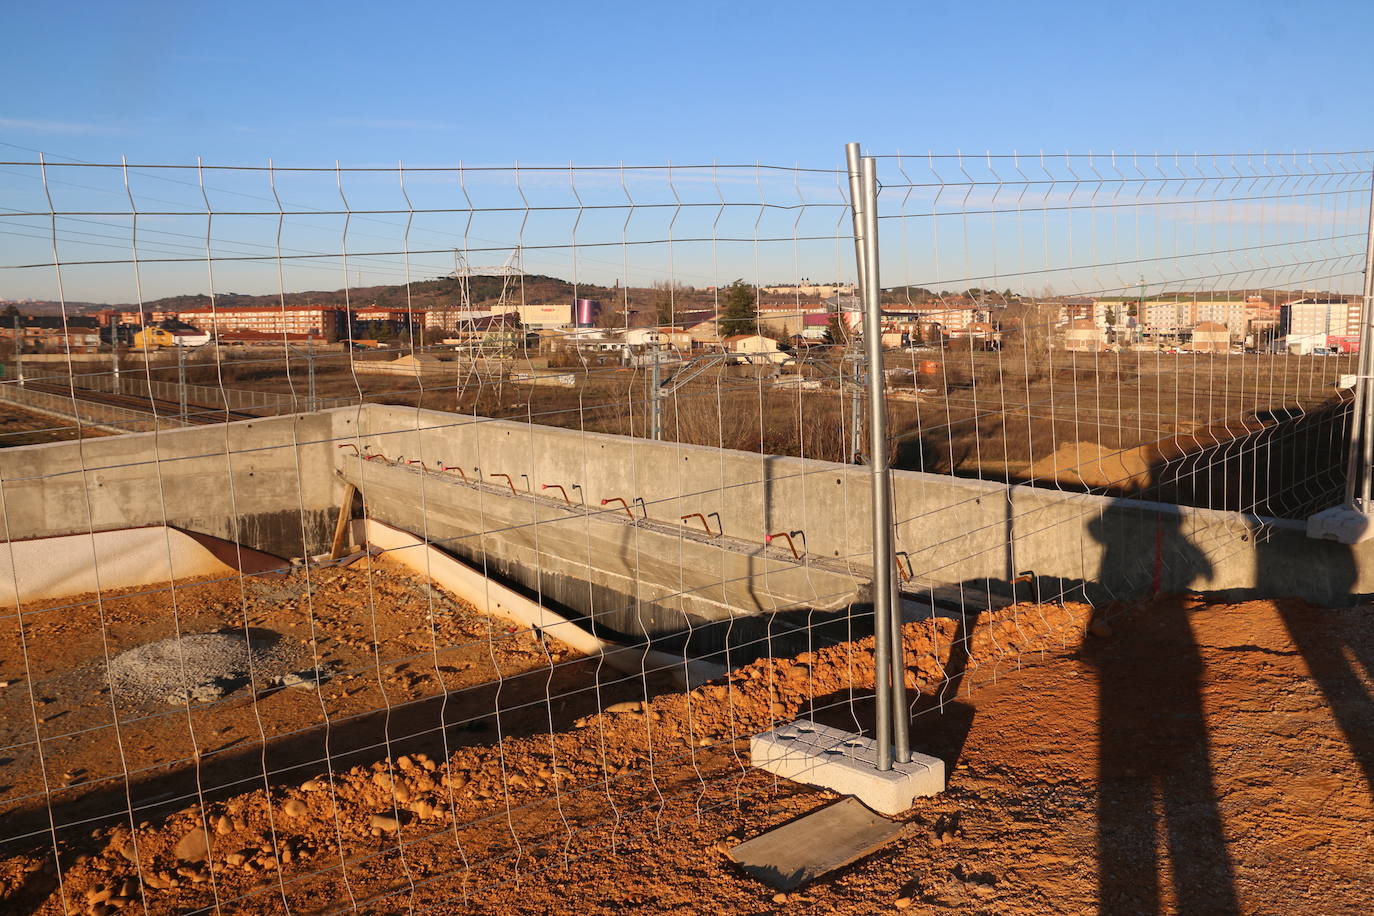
(784, 83)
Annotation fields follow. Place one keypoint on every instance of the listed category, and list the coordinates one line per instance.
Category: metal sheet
(805, 849)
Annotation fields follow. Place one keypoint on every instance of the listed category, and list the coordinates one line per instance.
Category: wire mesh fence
(478, 516)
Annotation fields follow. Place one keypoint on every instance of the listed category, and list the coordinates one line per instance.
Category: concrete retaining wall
(956, 531)
(274, 484)
(629, 578)
(266, 483)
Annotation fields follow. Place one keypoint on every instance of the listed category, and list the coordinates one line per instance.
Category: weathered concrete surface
(631, 578)
(954, 530)
(267, 484)
(271, 484)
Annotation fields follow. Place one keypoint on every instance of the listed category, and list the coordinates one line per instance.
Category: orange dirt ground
(1175, 757)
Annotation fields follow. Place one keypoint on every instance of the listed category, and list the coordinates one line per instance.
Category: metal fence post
(181, 382)
(18, 351)
(655, 401)
(1358, 467)
(890, 614)
(863, 189)
(310, 401)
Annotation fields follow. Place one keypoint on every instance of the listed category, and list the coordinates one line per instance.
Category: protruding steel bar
(461, 473)
(510, 483)
(705, 524)
(624, 505)
(768, 539)
(559, 488)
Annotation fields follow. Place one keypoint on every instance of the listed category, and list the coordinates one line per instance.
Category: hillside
(447, 291)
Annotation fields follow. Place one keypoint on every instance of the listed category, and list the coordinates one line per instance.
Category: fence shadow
(435, 725)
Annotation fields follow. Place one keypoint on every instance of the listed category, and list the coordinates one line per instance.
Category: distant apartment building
(822, 290)
(375, 320)
(263, 339)
(815, 327)
(446, 318)
(1320, 316)
(51, 334)
(1176, 318)
(56, 340)
(323, 321)
(1068, 309)
(1309, 324)
(948, 322)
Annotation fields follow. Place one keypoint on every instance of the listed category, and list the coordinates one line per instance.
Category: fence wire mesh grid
(486, 564)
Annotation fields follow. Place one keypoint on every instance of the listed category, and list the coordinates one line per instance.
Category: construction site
(1011, 629)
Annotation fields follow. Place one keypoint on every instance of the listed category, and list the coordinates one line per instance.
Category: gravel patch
(202, 667)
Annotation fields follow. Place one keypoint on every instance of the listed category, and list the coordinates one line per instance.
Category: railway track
(197, 414)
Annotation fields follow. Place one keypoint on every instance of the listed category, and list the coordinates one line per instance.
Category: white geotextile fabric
(74, 564)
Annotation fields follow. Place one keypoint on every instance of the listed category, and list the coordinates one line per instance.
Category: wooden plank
(809, 847)
(340, 544)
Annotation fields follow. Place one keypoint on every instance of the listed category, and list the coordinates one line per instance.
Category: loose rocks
(193, 847)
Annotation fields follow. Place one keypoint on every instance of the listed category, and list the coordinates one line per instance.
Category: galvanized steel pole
(864, 187)
(655, 401)
(856, 201)
(19, 351)
(1358, 468)
(881, 473)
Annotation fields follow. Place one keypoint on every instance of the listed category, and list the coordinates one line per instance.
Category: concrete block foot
(818, 755)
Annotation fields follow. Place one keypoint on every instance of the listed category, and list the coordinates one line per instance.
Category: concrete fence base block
(818, 755)
(1342, 524)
